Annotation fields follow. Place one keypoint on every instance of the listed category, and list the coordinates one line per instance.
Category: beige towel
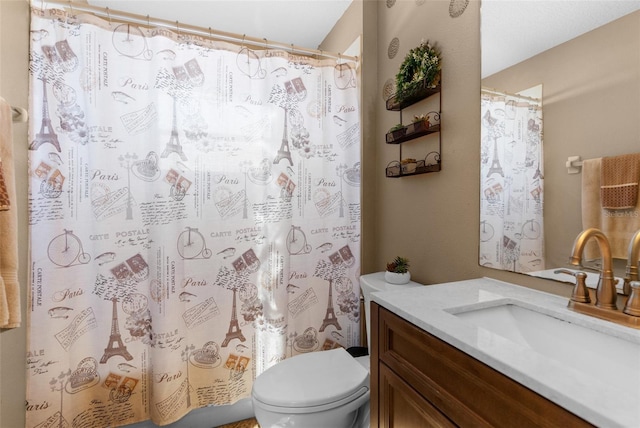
(618, 225)
(10, 315)
(5, 201)
(619, 181)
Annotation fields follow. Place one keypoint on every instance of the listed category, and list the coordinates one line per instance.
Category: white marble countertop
(602, 403)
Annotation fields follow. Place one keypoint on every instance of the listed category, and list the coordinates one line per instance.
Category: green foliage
(396, 127)
(398, 265)
(422, 64)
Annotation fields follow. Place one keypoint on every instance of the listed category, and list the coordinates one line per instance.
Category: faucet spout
(631, 273)
(606, 292)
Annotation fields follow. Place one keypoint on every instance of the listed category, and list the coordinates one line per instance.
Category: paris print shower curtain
(194, 218)
(512, 183)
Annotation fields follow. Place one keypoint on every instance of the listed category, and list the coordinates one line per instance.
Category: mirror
(590, 79)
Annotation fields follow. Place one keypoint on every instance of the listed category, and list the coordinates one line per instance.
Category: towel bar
(18, 114)
(574, 164)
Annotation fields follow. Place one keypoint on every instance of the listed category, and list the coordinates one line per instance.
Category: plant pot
(396, 135)
(408, 168)
(420, 126)
(397, 278)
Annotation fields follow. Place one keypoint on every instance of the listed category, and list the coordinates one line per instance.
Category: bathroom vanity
(488, 353)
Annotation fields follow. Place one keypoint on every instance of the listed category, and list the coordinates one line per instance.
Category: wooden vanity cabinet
(418, 380)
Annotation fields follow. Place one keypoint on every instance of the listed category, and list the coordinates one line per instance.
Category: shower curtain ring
(148, 22)
(266, 46)
(109, 15)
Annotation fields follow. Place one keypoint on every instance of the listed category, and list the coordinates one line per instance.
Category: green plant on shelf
(396, 127)
(421, 67)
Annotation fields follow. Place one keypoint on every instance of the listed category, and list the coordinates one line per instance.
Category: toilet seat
(335, 376)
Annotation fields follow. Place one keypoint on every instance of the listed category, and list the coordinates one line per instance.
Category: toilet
(320, 389)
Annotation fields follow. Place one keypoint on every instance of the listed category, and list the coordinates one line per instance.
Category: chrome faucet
(606, 292)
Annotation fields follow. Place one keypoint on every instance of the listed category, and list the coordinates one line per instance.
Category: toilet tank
(374, 282)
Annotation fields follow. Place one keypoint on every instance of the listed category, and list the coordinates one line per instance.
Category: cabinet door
(402, 407)
(468, 392)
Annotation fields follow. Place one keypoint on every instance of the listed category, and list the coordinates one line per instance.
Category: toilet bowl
(320, 389)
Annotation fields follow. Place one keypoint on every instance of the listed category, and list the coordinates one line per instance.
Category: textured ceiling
(514, 30)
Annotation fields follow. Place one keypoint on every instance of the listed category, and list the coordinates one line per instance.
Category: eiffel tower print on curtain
(115, 346)
(284, 152)
(46, 134)
(174, 146)
(234, 328)
(330, 316)
(496, 168)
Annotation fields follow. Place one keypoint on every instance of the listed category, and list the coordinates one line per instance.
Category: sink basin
(610, 358)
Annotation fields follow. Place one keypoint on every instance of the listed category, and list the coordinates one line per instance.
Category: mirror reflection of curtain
(511, 180)
(194, 218)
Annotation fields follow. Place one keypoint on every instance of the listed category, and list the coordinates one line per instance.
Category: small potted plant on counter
(398, 271)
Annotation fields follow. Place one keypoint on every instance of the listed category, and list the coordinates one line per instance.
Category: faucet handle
(580, 292)
(626, 287)
(633, 303)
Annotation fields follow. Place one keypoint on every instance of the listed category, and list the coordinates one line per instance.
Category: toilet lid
(313, 379)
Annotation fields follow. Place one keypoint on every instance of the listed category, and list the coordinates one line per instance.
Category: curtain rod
(190, 29)
(500, 92)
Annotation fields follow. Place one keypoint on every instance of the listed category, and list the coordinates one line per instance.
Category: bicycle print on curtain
(511, 183)
(194, 218)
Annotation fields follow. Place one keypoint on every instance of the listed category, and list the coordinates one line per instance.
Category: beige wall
(591, 98)
(360, 19)
(431, 218)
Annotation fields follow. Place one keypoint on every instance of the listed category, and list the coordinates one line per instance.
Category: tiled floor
(247, 423)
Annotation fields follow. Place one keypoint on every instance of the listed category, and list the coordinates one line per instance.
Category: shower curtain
(512, 183)
(194, 211)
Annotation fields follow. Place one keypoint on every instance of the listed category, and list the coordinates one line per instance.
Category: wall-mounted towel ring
(574, 165)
